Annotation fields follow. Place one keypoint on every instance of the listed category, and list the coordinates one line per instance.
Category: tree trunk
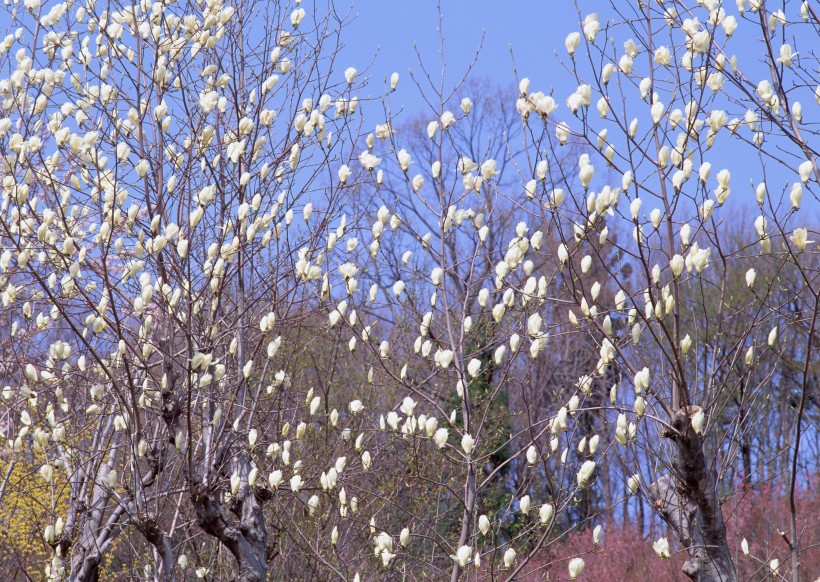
(688, 501)
(246, 540)
(163, 546)
(746, 451)
(85, 566)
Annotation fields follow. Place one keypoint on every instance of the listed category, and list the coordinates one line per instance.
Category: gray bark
(246, 540)
(164, 548)
(88, 551)
(87, 532)
(688, 501)
(85, 567)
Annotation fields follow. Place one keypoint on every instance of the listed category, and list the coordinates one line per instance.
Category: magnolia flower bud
(275, 479)
(760, 193)
(296, 483)
(585, 174)
(509, 558)
(656, 112)
(576, 566)
(593, 444)
(585, 472)
(796, 195)
(467, 443)
(786, 55)
(524, 504)
(562, 132)
(313, 504)
(797, 111)
(484, 524)
(698, 420)
(296, 17)
(591, 27)
(633, 483)
(772, 336)
(545, 513)
(444, 358)
(236, 481)
(142, 168)
(805, 169)
(48, 534)
(571, 42)
(463, 556)
(677, 265)
(440, 437)
(662, 56)
(635, 208)
(343, 173)
(603, 109)
(661, 547)
(685, 344)
(47, 473)
(751, 275)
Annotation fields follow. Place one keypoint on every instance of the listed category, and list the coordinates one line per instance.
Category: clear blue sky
(535, 29)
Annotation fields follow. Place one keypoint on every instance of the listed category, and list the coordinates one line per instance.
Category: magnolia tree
(664, 103)
(161, 163)
(240, 324)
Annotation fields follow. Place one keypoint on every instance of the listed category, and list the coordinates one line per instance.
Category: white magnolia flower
(440, 437)
(751, 275)
(467, 443)
(698, 420)
(545, 513)
(661, 547)
(484, 524)
(463, 555)
(368, 161)
(799, 238)
(296, 17)
(585, 472)
(509, 558)
(576, 566)
(571, 42)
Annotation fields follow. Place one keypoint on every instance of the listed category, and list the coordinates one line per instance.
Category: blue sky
(534, 29)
